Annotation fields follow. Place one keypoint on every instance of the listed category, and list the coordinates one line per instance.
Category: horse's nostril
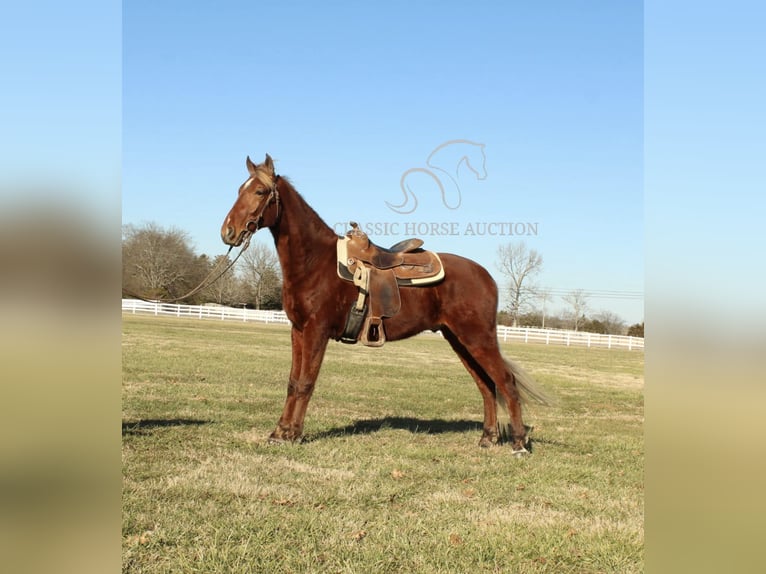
(229, 232)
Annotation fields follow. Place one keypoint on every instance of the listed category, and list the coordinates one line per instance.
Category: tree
(530, 319)
(521, 265)
(636, 330)
(261, 275)
(593, 326)
(158, 262)
(227, 289)
(578, 302)
(612, 323)
(544, 295)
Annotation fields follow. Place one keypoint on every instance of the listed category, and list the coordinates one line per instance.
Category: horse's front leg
(283, 432)
(308, 351)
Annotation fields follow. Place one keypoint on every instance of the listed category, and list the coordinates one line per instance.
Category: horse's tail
(529, 390)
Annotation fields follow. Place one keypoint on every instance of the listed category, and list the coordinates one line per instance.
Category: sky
(350, 99)
(60, 116)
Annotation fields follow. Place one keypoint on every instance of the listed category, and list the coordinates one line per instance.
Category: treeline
(159, 263)
(603, 322)
(521, 265)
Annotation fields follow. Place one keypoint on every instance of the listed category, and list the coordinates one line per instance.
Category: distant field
(390, 478)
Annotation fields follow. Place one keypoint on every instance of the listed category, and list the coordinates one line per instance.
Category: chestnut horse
(463, 306)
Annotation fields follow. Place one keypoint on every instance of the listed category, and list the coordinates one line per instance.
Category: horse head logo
(444, 164)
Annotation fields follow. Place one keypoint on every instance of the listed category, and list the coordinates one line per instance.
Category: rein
(207, 281)
(255, 221)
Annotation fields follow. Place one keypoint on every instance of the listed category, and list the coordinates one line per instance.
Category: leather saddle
(378, 272)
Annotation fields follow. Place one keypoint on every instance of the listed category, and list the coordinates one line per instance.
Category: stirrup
(373, 334)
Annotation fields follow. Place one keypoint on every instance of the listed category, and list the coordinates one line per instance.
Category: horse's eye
(260, 192)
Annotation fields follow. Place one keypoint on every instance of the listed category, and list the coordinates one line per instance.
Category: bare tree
(578, 303)
(521, 265)
(159, 262)
(612, 322)
(227, 289)
(544, 295)
(260, 272)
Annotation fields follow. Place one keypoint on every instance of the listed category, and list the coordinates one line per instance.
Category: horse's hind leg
(488, 368)
(487, 389)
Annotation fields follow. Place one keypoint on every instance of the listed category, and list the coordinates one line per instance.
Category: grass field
(390, 478)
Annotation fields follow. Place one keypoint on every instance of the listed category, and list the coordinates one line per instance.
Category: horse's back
(466, 292)
(466, 279)
(459, 266)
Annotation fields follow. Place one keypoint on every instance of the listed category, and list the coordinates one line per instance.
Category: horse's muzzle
(229, 236)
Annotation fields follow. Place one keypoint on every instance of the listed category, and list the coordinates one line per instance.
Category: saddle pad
(420, 268)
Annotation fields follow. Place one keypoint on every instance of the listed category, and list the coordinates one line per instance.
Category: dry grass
(390, 479)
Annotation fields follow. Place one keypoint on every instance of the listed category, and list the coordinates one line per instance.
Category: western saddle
(378, 273)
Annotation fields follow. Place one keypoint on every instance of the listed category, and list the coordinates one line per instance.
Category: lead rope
(206, 282)
(273, 195)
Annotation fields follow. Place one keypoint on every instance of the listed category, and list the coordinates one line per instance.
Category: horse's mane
(310, 216)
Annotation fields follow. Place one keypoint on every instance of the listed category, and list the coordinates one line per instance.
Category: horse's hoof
(280, 440)
(520, 452)
(487, 442)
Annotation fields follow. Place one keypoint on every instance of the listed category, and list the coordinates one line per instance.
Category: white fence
(569, 338)
(525, 334)
(204, 311)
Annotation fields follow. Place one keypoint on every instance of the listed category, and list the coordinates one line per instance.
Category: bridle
(256, 221)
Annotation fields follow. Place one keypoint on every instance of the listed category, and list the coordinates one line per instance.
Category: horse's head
(257, 204)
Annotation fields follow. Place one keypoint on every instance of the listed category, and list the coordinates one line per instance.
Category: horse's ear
(250, 166)
(268, 163)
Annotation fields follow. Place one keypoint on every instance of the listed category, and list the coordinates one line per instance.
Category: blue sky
(60, 114)
(347, 97)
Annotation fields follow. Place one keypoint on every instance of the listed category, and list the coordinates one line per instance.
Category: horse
(447, 159)
(463, 306)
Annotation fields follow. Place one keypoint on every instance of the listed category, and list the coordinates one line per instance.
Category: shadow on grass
(428, 426)
(145, 426)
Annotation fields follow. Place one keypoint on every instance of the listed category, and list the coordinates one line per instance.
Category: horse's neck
(304, 242)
